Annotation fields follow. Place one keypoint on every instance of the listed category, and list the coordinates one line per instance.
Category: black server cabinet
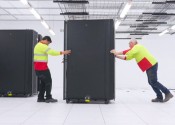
(17, 76)
(89, 70)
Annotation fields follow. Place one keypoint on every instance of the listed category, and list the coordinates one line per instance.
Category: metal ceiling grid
(14, 10)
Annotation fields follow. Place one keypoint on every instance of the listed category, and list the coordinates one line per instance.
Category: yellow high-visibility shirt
(41, 52)
(143, 57)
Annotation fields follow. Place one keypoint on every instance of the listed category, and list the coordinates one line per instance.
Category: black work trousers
(45, 83)
(153, 81)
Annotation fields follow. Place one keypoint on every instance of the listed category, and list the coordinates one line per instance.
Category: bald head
(132, 43)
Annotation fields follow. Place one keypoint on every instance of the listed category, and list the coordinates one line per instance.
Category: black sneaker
(51, 100)
(168, 97)
(157, 100)
(41, 100)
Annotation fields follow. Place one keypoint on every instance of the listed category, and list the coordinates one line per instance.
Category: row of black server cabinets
(17, 76)
(88, 71)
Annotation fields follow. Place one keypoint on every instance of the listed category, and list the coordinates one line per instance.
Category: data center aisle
(131, 107)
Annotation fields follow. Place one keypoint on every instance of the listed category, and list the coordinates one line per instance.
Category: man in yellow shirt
(41, 52)
(148, 63)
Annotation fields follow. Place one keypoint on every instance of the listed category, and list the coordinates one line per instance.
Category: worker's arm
(121, 57)
(52, 52)
(66, 52)
(118, 55)
(116, 52)
(129, 54)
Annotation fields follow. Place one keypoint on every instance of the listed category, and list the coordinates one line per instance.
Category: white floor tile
(91, 114)
(131, 107)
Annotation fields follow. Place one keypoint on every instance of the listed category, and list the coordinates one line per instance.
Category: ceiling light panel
(173, 27)
(5, 4)
(44, 4)
(16, 4)
(7, 17)
(125, 10)
(56, 17)
(48, 11)
(117, 23)
(25, 17)
(3, 12)
(122, 35)
(163, 33)
(19, 11)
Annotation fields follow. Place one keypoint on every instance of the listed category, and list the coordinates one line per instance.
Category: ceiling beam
(71, 2)
(146, 28)
(154, 22)
(132, 32)
(160, 13)
(27, 20)
(166, 2)
(28, 0)
(126, 38)
(140, 26)
(139, 34)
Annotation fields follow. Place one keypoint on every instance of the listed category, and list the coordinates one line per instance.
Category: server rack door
(30, 76)
(110, 60)
(12, 63)
(86, 66)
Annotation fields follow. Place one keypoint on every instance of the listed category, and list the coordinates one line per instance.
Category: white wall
(55, 64)
(128, 74)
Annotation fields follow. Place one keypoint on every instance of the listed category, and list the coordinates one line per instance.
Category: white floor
(131, 107)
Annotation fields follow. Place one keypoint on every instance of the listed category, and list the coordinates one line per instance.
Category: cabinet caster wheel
(67, 100)
(106, 101)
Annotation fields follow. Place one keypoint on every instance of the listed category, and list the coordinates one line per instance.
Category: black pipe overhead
(158, 2)
(170, 2)
(139, 26)
(145, 20)
(154, 22)
(166, 14)
(146, 28)
(172, 33)
(74, 13)
(132, 32)
(71, 2)
(139, 34)
(166, 2)
(127, 38)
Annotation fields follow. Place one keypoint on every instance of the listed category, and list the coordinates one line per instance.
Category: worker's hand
(117, 56)
(116, 52)
(113, 52)
(123, 57)
(66, 52)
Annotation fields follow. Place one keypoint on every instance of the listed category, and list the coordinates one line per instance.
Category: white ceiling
(14, 10)
(46, 8)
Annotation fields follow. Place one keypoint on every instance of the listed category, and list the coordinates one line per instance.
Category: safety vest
(41, 52)
(143, 57)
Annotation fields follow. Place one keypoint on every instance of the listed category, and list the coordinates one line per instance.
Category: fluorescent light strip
(164, 32)
(33, 11)
(45, 24)
(173, 27)
(25, 2)
(117, 24)
(125, 10)
(113, 2)
(143, 2)
(52, 32)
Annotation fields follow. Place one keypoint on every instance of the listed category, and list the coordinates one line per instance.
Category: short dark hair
(47, 38)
